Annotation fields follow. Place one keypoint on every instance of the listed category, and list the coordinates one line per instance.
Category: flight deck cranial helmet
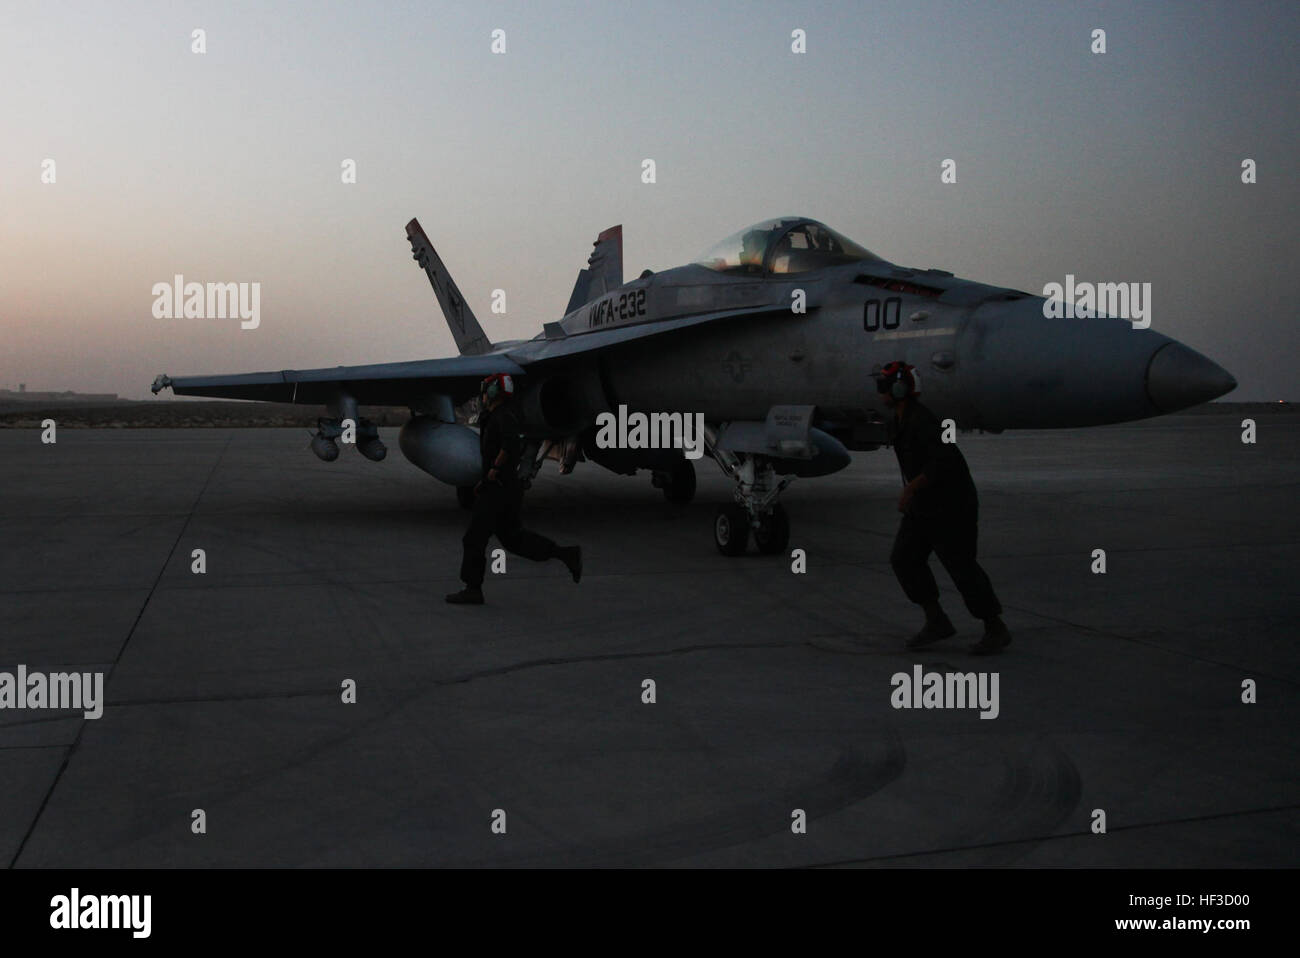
(497, 384)
(897, 380)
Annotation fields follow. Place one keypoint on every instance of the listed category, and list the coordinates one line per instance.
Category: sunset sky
(225, 166)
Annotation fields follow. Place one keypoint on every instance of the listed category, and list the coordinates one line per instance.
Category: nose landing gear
(755, 510)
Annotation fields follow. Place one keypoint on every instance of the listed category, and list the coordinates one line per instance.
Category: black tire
(731, 530)
(773, 532)
(465, 496)
(680, 487)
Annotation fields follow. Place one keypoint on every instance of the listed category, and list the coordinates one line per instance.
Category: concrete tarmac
(1121, 692)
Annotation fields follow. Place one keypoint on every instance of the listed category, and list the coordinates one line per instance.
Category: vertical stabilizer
(469, 335)
(604, 269)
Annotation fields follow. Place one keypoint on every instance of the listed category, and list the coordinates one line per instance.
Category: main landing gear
(677, 483)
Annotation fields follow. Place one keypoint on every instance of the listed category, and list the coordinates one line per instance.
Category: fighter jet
(773, 335)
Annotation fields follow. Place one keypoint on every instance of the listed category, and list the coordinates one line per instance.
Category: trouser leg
(910, 559)
(955, 547)
(473, 564)
(517, 539)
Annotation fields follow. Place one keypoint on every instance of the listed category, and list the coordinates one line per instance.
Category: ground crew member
(940, 514)
(499, 496)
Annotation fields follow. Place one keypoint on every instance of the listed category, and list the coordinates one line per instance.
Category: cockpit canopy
(787, 245)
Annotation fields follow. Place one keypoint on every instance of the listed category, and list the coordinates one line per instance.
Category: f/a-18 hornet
(773, 336)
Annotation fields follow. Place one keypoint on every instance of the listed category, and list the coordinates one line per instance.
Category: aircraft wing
(556, 344)
(400, 384)
(379, 384)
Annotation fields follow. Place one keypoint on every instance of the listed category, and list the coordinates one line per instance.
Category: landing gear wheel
(679, 488)
(731, 530)
(773, 532)
(465, 496)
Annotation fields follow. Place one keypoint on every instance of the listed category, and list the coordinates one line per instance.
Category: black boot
(470, 595)
(571, 556)
(937, 626)
(996, 637)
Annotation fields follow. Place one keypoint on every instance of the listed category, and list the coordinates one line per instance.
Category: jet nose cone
(1178, 377)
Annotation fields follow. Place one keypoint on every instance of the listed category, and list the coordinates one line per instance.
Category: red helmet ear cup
(896, 379)
(496, 384)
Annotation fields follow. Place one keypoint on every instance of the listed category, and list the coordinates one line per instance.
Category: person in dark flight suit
(940, 514)
(499, 497)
